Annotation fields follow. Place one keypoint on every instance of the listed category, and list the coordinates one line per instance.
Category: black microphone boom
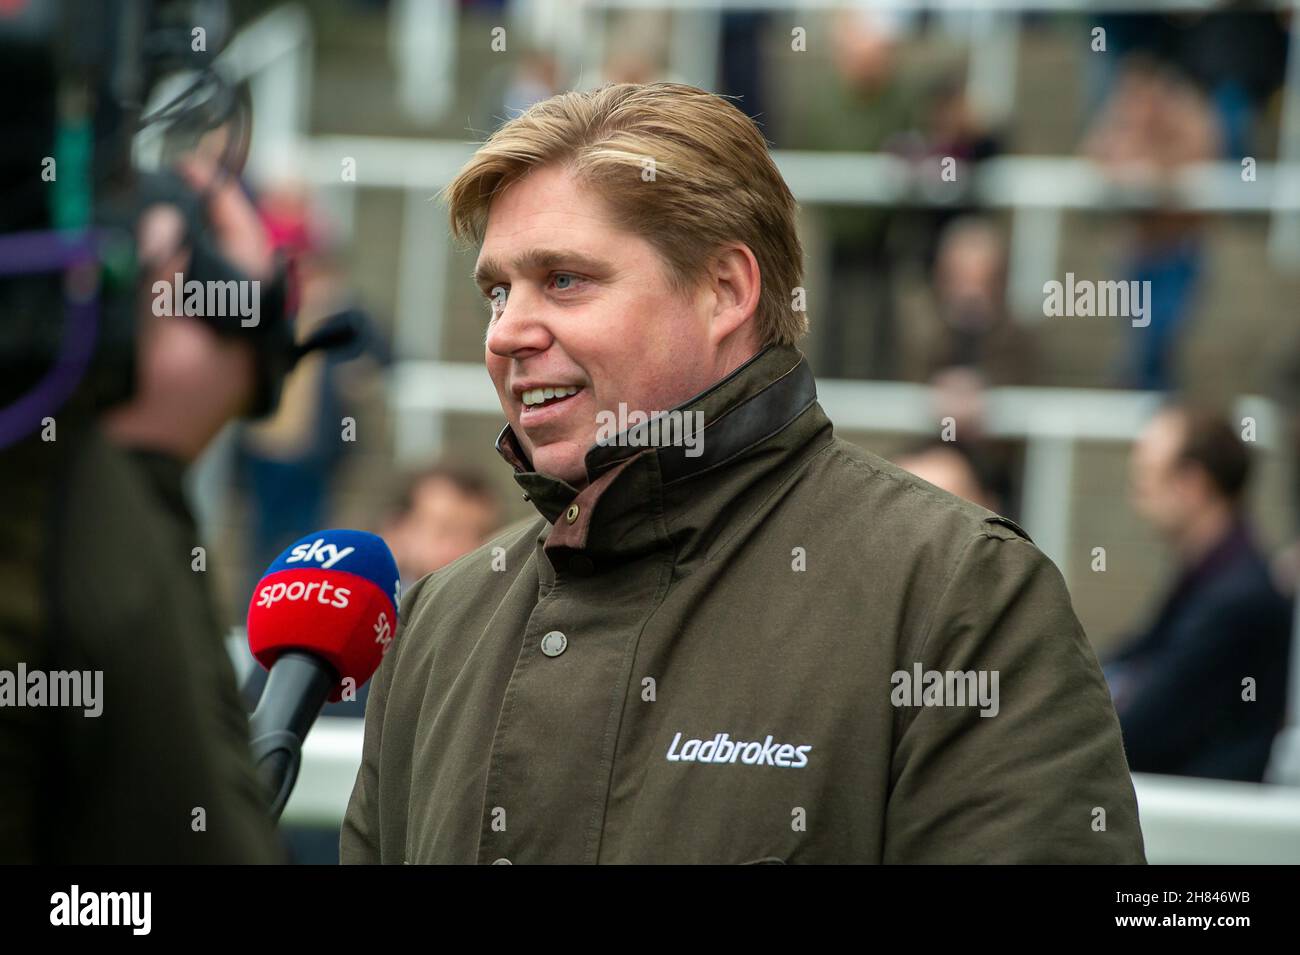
(296, 689)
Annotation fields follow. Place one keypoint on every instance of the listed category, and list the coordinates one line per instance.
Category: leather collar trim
(730, 433)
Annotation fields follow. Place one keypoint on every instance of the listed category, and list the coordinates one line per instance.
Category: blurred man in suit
(1201, 691)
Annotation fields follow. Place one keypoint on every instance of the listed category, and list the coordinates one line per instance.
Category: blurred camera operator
(162, 774)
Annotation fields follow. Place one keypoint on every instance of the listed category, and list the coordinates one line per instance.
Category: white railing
(1183, 820)
(1037, 191)
(1050, 421)
(275, 54)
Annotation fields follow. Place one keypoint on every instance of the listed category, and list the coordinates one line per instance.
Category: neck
(737, 349)
(1198, 535)
(133, 428)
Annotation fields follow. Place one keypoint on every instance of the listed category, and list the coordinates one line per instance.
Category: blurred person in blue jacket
(1201, 691)
(1155, 125)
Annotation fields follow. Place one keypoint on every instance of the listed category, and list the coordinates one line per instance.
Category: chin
(562, 464)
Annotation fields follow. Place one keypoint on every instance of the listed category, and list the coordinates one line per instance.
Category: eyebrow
(491, 270)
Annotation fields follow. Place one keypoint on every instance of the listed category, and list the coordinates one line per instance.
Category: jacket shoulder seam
(928, 628)
(909, 487)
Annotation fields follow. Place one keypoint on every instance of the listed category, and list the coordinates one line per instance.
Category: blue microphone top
(354, 552)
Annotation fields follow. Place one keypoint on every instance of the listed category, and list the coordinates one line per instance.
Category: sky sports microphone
(321, 619)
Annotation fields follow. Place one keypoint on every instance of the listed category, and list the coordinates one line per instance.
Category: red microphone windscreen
(333, 594)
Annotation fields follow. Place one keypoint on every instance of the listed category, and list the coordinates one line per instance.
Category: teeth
(535, 396)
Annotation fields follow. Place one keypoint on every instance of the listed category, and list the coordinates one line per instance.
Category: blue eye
(560, 276)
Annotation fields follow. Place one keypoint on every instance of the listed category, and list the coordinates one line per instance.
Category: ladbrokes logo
(723, 749)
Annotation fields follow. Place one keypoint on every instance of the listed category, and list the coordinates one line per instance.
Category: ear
(735, 283)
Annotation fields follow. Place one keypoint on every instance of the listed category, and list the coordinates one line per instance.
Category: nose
(518, 330)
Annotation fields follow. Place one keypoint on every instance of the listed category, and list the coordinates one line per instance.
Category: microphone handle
(296, 689)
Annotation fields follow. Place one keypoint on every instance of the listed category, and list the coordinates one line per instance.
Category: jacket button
(571, 514)
(581, 565)
(502, 861)
(553, 643)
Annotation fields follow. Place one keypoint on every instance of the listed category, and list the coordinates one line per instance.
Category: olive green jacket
(694, 659)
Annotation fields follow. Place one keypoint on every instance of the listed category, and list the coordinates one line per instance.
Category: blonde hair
(681, 167)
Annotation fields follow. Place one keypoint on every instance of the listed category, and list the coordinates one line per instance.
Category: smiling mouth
(551, 402)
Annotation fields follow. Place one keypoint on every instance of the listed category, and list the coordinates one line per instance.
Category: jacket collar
(638, 496)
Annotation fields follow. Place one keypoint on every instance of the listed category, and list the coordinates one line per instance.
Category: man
(867, 104)
(969, 325)
(1202, 691)
(101, 574)
(693, 654)
(958, 468)
(443, 512)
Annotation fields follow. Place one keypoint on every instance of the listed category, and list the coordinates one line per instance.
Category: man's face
(1163, 493)
(586, 306)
